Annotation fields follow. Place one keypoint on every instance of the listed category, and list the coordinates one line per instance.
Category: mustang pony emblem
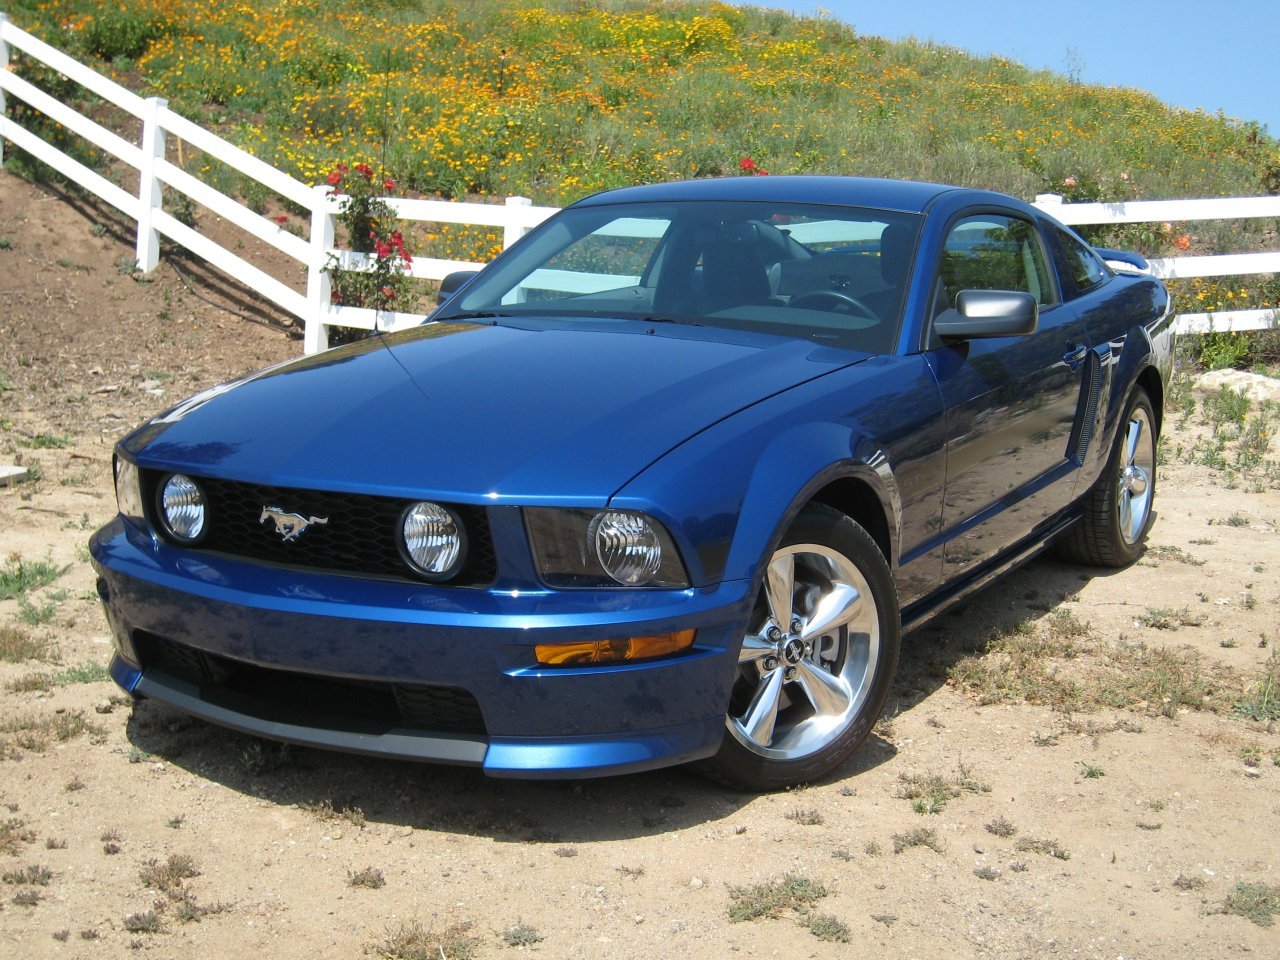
(290, 526)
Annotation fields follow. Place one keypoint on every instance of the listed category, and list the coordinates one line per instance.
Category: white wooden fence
(516, 216)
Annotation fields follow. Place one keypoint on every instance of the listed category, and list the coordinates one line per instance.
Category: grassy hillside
(559, 99)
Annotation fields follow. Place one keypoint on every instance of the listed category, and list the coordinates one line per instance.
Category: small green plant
(917, 837)
(20, 576)
(1258, 902)
(1162, 618)
(6, 242)
(370, 877)
(146, 921)
(13, 833)
(17, 645)
(167, 876)
(1091, 772)
(412, 941)
(30, 876)
(807, 817)
(824, 926)
(1001, 827)
(1263, 701)
(1037, 845)
(521, 935)
(793, 893)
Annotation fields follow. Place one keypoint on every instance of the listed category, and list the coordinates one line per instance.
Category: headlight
(433, 540)
(128, 489)
(603, 548)
(181, 508)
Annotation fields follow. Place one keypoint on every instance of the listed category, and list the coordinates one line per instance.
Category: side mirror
(453, 283)
(988, 313)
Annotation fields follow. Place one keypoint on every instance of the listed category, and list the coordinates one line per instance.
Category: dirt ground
(1056, 826)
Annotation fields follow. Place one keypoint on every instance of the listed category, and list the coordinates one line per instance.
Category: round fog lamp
(627, 546)
(433, 540)
(182, 508)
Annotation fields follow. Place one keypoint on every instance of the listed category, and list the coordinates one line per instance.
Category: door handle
(1075, 356)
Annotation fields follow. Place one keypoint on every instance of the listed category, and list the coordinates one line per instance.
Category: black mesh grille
(328, 702)
(360, 535)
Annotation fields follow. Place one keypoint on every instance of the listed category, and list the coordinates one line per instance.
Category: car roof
(904, 196)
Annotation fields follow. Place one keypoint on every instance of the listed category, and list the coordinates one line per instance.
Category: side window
(993, 252)
(1083, 268)
(614, 257)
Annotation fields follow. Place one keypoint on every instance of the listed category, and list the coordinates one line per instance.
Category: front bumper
(413, 670)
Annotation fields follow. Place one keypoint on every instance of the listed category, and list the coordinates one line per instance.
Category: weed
(632, 872)
(1091, 772)
(1161, 618)
(826, 927)
(27, 898)
(6, 242)
(1263, 701)
(177, 820)
(35, 733)
(46, 441)
(794, 893)
(521, 935)
(871, 848)
(566, 851)
(370, 877)
(90, 672)
(62, 936)
(74, 784)
(20, 576)
(30, 876)
(17, 645)
(147, 921)
(1036, 845)
(918, 837)
(841, 853)
(325, 810)
(411, 941)
(90, 934)
(55, 843)
(986, 873)
(167, 877)
(1183, 882)
(1176, 554)
(1258, 902)
(808, 817)
(1001, 827)
(187, 910)
(1149, 825)
(1251, 755)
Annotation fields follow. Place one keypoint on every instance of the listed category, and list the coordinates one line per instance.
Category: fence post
(511, 230)
(149, 187)
(319, 283)
(4, 65)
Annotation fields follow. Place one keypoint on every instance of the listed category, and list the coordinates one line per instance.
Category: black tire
(808, 692)
(1118, 510)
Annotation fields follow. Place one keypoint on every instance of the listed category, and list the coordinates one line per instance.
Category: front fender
(731, 491)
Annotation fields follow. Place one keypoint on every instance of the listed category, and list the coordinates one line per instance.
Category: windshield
(835, 275)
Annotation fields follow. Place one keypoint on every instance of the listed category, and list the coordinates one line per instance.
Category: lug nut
(790, 673)
(771, 663)
(775, 634)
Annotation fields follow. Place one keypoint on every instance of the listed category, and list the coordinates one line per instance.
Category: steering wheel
(832, 299)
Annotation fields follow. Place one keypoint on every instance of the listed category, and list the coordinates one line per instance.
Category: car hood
(539, 412)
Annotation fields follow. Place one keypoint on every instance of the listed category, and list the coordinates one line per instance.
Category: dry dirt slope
(1060, 828)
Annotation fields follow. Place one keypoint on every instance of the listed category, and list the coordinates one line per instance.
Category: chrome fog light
(627, 546)
(182, 508)
(433, 540)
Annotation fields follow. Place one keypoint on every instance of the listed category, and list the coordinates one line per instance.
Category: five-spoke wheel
(817, 661)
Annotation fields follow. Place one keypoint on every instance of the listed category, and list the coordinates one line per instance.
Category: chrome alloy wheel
(806, 670)
(1135, 489)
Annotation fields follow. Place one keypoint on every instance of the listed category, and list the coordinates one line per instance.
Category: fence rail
(317, 253)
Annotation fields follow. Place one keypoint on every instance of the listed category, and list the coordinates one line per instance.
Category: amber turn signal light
(613, 651)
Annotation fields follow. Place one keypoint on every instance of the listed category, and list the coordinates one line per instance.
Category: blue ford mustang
(663, 483)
